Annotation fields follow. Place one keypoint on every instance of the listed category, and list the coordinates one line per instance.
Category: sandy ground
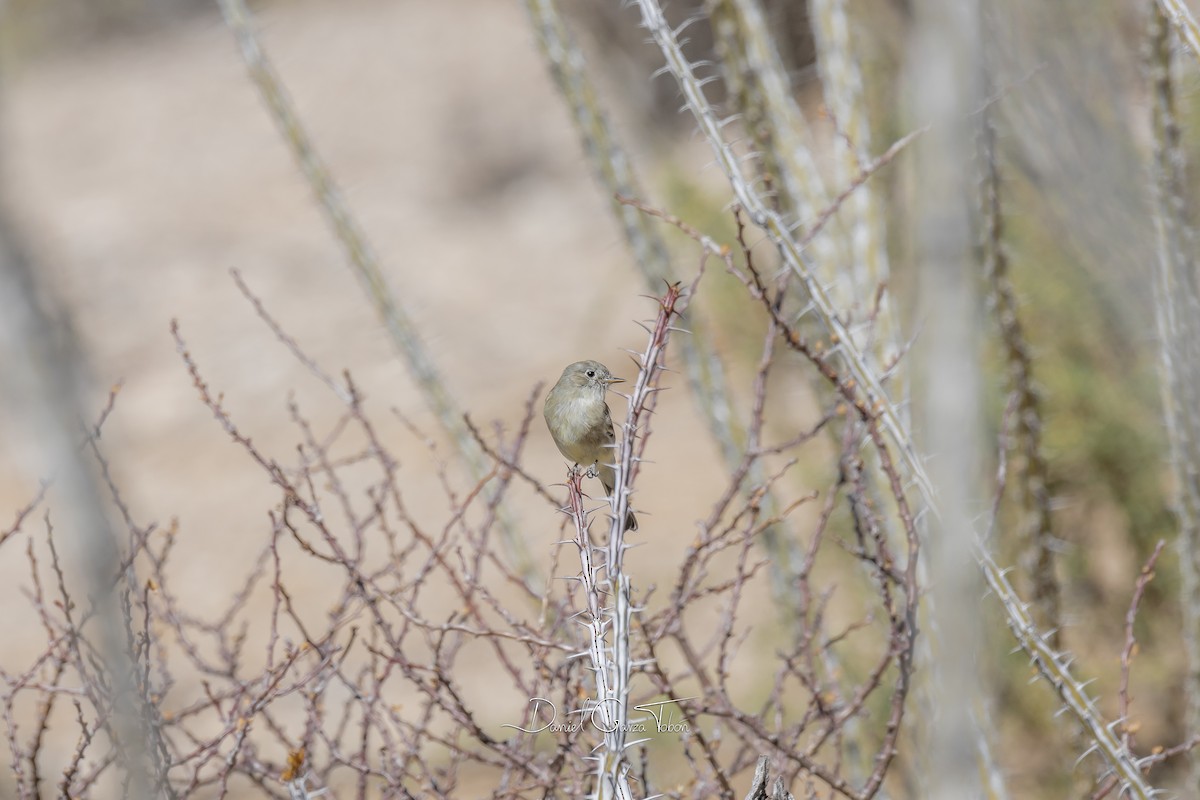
(143, 170)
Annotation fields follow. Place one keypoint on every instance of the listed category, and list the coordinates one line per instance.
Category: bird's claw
(590, 472)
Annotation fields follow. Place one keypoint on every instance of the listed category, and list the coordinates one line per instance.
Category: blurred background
(140, 166)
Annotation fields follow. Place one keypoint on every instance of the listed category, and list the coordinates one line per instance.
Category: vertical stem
(1037, 534)
(610, 627)
(842, 84)
(943, 80)
(42, 362)
(611, 674)
(1177, 306)
(757, 78)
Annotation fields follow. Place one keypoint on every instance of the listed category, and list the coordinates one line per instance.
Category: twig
(1127, 653)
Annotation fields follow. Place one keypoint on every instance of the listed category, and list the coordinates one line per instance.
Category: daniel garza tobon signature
(661, 717)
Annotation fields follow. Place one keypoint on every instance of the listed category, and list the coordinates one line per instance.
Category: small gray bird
(581, 425)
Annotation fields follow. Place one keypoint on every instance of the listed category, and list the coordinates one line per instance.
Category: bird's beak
(611, 381)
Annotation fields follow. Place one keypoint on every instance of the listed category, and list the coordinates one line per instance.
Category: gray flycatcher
(581, 424)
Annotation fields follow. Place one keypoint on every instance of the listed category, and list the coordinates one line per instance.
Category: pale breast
(580, 428)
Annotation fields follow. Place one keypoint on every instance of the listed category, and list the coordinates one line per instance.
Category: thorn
(1084, 755)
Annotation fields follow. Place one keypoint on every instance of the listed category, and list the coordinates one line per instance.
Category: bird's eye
(591, 373)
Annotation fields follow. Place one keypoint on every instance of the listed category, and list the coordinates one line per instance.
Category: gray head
(589, 374)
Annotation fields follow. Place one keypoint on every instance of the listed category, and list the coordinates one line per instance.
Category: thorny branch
(347, 660)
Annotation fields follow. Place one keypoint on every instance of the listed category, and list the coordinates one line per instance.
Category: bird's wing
(609, 455)
(608, 476)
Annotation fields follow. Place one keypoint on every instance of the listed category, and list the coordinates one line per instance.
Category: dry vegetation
(841, 623)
